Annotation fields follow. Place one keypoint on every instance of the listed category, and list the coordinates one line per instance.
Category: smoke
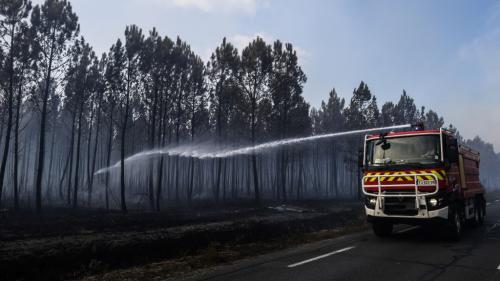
(207, 152)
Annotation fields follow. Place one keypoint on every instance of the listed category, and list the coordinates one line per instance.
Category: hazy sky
(446, 54)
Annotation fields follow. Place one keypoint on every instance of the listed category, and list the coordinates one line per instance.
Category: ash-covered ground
(94, 245)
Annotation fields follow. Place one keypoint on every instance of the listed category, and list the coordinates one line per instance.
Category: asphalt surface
(410, 254)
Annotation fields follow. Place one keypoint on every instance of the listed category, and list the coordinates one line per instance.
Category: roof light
(419, 126)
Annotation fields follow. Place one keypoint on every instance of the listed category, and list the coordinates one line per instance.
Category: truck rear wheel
(474, 221)
(481, 211)
(382, 229)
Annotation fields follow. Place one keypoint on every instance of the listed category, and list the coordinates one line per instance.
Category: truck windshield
(403, 150)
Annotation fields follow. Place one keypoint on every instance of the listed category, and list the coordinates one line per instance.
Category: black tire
(482, 211)
(455, 225)
(476, 219)
(382, 229)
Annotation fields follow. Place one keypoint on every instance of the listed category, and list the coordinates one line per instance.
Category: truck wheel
(455, 227)
(479, 209)
(382, 229)
(482, 212)
(474, 222)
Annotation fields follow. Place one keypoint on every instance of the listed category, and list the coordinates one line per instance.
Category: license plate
(427, 182)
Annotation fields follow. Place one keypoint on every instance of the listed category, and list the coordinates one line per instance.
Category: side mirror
(361, 159)
(452, 151)
(386, 146)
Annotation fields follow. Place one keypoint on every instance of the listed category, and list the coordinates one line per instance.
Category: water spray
(204, 152)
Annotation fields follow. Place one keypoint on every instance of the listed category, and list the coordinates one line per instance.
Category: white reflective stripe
(492, 227)
(415, 185)
(321, 257)
(408, 229)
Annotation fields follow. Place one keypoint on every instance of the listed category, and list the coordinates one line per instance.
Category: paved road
(410, 254)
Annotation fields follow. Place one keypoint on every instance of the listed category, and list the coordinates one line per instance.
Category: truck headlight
(433, 202)
(370, 202)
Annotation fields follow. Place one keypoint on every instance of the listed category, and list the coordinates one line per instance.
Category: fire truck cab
(421, 177)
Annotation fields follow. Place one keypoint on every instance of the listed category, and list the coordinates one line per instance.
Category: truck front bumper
(423, 216)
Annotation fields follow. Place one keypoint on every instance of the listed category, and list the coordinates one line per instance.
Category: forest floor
(88, 245)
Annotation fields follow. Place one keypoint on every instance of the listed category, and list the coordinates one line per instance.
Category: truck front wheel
(455, 225)
(382, 229)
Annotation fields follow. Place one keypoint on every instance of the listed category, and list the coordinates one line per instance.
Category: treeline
(67, 112)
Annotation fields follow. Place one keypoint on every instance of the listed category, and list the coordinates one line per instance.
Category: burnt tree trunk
(71, 151)
(16, 147)
(77, 164)
(122, 148)
(43, 127)
(108, 158)
(10, 110)
(94, 156)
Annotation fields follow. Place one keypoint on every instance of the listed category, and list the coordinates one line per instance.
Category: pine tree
(332, 114)
(256, 70)
(54, 25)
(133, 44)
(387, 114)
(405, 111)
(225, 95)
(226, 99)
(356, 113)
(83, 75)
(286, 83)
(13, 27)
(432, 120)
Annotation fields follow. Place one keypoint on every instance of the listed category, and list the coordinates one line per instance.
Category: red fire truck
(421, 177)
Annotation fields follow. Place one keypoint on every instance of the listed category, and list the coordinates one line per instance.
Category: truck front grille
(400, 206)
